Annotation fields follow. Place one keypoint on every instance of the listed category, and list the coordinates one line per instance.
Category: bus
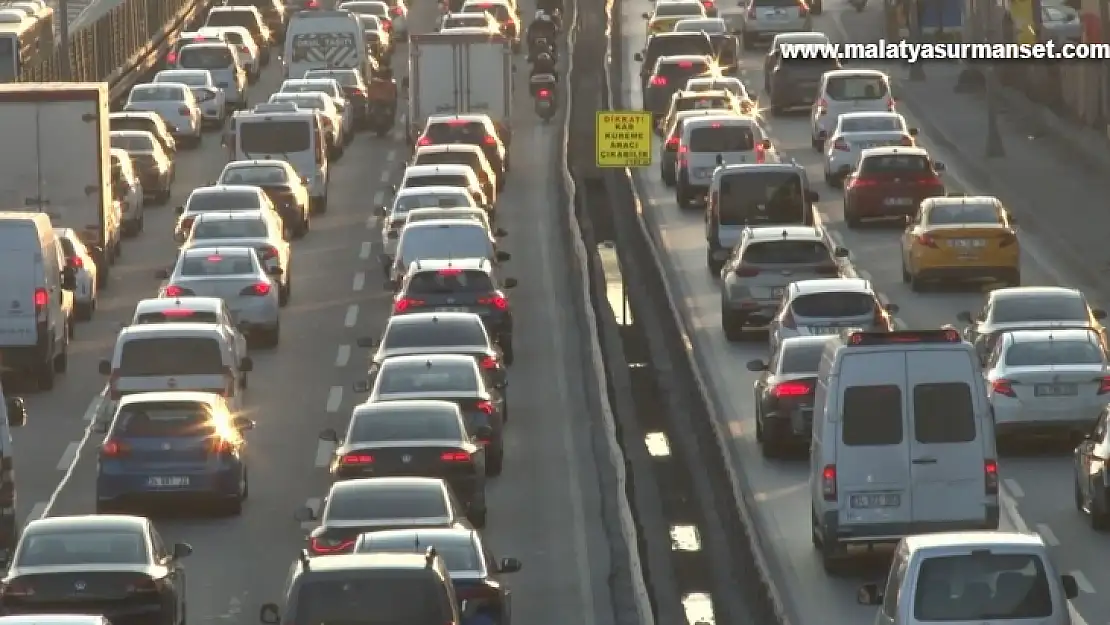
(26, 38)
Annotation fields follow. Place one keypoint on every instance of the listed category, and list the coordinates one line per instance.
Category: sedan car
(393, 218)
(127, 189)
(784, 394)
(256, 229)
(828, 306)
(223, 197)
(173, 446)
(155, 170)
(471, 156)
(175, 104)
(354, 507)
(147, 121)
(890, 183)
(122, 560)
(209, 97)
(354, 90)
(237, 275)
(323, 104)
(281, 183)
(333, 90)
(856, 132)
(80, 260)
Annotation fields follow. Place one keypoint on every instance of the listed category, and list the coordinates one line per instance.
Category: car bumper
(212, 110)
(263, 315)
(183, 127)
(1013, 419)
(879, 533)
(116, 486)
(840, 163)
(968, 272)
(877, 205)
(794, 424)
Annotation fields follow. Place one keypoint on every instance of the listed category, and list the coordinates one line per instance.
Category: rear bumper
(146, 614)
(130, 485)
(889, 533)
(970, 272)
(790, 93)
(873, 205)
(23, 359)
(794, 424)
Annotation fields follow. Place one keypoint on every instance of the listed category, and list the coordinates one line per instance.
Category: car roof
(696, 95)
(223, 45)
(49, 618)
(856, 71)
(1019, 292)
(88, 522)
(170, 329)
(196, 302)
(445, 211)
(890, 150)
(963, 200)
(785, 233)
(866, 114)
(258, 162)
(429, 360)
(826, 285)
(377, 560)
(680, 58)
(157, 396)
(1061, 334)
(183, 72)
(433, 190)
(446, 223)
(405, 405)
(439, 168)
(756, 168)
(372, 483)
(144, 114)
(801, 341)
(436, 264)
(691, 113)
(449, 147)
(222, 250)
(226, 188)
(973, 538)
(131, 133)
(696, 121)
(249, 215)
(801, 36)
(430, 317)
(473, 117)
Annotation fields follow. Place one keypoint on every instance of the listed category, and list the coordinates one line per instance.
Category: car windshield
(81, 547)
(205, 57)
(458, 554)
(787, 252)
(222, 264)
(230, 229)
(672, 9)
(470, 159)
(256, 175)
(895, 164)
(275, 136)
(963, 214)
(383, 502)
(1049, 352)
(702, 102)
(408, 425)
(132, 143)
(444, 241)
(418, 378)
(883, 123)
(163, 93)
(433, 334)
(1031, 307)
(177, 315)
(449, 281)
(982, 586)
(316, 86)
(160, 419)
(833, 304)
(222, 201)
(344, 78)
(193, 80)
(176, 356)
(804, 358)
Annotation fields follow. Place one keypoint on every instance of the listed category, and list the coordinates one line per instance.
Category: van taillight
(990, 472)
(41, 299)
(113, 380)
(828, 482)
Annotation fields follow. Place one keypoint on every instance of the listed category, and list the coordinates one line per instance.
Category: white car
(177, 106)
(262, 230)
(856, 132)
(80, 260)
(846, 91)
(128, 190)
(323, 104)
(393, 218)
(333, 90)
(191, 309)
(246, 48)
(209, 97)
(828, 306)
(399, 13)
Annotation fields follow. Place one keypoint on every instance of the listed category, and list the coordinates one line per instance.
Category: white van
(709, 141)
(13, 414)
(176, 357)
(36, 298)
(324, 40)
(903, 441)
(283, 131)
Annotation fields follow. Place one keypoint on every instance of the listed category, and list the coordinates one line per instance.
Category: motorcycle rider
(542, 27)
(544, 64)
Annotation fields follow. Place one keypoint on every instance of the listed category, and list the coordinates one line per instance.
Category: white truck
(58, 161)
(459, 72)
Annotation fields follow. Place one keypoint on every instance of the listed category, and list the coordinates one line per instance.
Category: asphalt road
(1037, 491)
(544, 509)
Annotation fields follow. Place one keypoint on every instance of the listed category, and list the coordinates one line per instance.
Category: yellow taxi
(961, 238)
(667, 13)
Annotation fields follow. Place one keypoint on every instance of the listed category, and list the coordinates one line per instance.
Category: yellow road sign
(623, 139)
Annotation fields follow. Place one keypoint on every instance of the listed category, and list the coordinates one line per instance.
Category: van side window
(894, 584)
(872, 415)
(943, 412)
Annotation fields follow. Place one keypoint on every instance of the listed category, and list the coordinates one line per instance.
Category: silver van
(36, 298)
(903, 441)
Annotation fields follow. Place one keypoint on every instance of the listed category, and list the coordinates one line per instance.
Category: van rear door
(23, 264)
(872, 460)
(947, 463)
(174, 363)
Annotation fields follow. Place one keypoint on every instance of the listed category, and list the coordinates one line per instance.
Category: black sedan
(784, 393)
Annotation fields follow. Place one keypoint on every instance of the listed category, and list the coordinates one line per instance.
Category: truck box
(459, 72)
(58, 161)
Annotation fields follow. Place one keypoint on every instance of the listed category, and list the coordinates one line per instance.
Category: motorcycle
(543, 94)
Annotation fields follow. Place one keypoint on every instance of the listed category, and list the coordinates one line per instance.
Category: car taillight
(745, 271)
(257, 289)
(357, 459)
(671, 145)
(787, 320)
(113, 449)
(454, 456)
(484, 406)
(791, 389)
(497, 301)
(1003, 387)
(862, 182)
(171, 57)
(41, 298)
(244, 49)
(929, 181)
(990, 472)
(424, 141)
(18, 588)
(658, 81)
(75, 262)
(907, 140)
(186, 224)
(927, 240)
(828, 482)
(841, 145)
(489, 363)
(142, 585)
(386, 26)
(184, 110)
(1007, 240)
(395, 10)
(355, 92)
(1104, 385)
(544, 94)
(890, 104)
(330, 545)
(708, 4)
(268, 252)
(405, 303)
(219, 445)
(312, 4)
(175, 291)
(489, 140)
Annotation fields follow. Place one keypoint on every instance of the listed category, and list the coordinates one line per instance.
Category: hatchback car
(702, 100)
(245, 47)
(774, 52)
(446, 238)
(672, 137)
(175, 104)
(155, 170)
(224, 197)
(449, 175)
(463, 154)
(856, 132)
(338, 96)
(891, 183)
(248, 17)
(793, 81)
(710, 141)
(829, 306)
(147, 121)
(846, 91)
(670, 44)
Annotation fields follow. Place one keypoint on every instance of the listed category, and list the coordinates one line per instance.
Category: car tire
(733, 329)
(269, 339)
(60, 363)
(285, 293)
(906, 277)
(495, 462)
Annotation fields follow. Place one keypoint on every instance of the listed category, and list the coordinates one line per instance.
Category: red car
(890, 182)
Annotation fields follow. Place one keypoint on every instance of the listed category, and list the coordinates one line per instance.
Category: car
(401, 588)
(463, 154)
(954, 573)
(667, 13)
(448, 175)
(828, 306)
(155, 170)
(192, 309)
(793, 81)
(282, 183)
(671, 44)
(325, 107)
(475, 573)
(784, 394)
(672, 135)
(259, 230)
(762, 266)
(354, 89)
(127, 190)
(273, 12)
(375, 8)
(353, 507)
(506, 14)
(730, 84)
(333, 90)
(147, 121)
(399, 12)
(846, 91)
(221, 59)
(890, 183)
(856, 132)
(190, 37)
(670, 75)
(209, 97)
(248, 17)
(236, 274)
(1030, 308)
(443, 238)
(700, 100)
(431, 214)
(475, 129)
(183, 446)
(476, 20)
(124, 555)
(1091, 458)
(766, 18)
(710, 141)
(223, 197)
(245, 47)
(774, 51)
(394, 217)
(175, 104)
(708, 25)
(422, 437)
(460, 285)
(964, 238)
(86, 294)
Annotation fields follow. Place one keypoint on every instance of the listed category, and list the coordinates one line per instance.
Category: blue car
(172, 446)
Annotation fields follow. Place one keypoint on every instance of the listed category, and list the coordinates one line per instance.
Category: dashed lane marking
(1048, 535)
(351, 317)
(68, 455)
(1083, 583)
(391, 156)
(385, 175)
(335, 398)
(93, 409)
(37, 511)
(379, 197)
(343, 356)
(364, 251)
(1014, 488)
(359, 281)
(324, 452)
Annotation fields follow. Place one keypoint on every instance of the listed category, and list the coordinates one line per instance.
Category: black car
(438, 333)
(117, 566)
(466, 285)
(784, 393)
(475, 573)
(793, 82)
(429, 438)
(414, 589)
(671, 44)
(353, 507)
(1092, 486)
(471, 128)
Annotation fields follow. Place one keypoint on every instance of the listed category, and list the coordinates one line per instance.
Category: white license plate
(1055, 390)
(825, 330)
(703, 172)
(167, 482)
(898, 201)
(967, 243)
(876, 500)
(452, 309)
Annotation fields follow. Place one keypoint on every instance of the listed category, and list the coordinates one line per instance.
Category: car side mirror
(17, 412)
(269, 614)
(329, 435)
(509, 565)
(180, 210)
(938, 166)
(380, 210)
(101, 427)
(646, 15)
(914, 132)
(1098, 314)
(500, 232)
(365, 341)
(509, 283)
(502, 256)
(891, 308)
(243, 423)
(361, 386)
(812, 196)
(638, 57)
(869, 594)
(1071, 587)
(104, 367)
(483, 432)
(275, 271)
(182, 550)
(964, 316)
(841, 252)
(304, 513)
(246, 364)
(757, 365)
(162, 274)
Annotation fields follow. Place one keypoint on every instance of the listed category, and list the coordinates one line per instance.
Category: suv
(670, 44)
(764, 264)
(351, 587)
(766, 18)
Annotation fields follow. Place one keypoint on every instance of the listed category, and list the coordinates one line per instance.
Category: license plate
(876, 500)
(222, 85)
(1055, 390)
(703, 172)
(452, 309)
(967, 243)
(898, 201)
(778, 291)
(824, 330)
(167, 482)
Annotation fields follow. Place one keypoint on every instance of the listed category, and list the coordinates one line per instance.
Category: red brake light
(215, 258)
(325, 546)
(746, 272)
(171, 57)
(454, 456)
(174, 291)
(927, 240)
(1004, 387)
(707, 4)
(76, 262)
(386, 26)
(221, 446)
(862, 182)
(907, 140)
(489, 363)
(658, 81)
(244, 49)
(685, 64)
(672, 144)
(488, 140)
(929, 181)
(841, 145)
(485, 407)
(405, 303)
(544, 94)
(424, 141)
(803, 10)
(396, 10)
(497, 301)
(356, 92)
(268, 252)
(760, 153)
(990, 472)
(357, 459)
(890, 104)
(177, 312)
(312, 4)
(1104, 386)
(259, 288)
(828, 482)
(791, 389)
(450, 272)
(41, 299)
(113, 449)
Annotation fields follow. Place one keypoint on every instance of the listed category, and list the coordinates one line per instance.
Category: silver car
(464, 212)
(210, 97)
(222, 60)
(766, 18)
(236, 275)
(828, 306)
(443, 238)
(333, 90)
(393, 218)
(258, 229)
(175, 103)
(1047, 382)
(856, 132)
(763, 265)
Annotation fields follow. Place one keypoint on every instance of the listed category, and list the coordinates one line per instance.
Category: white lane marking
(391, 156)
(1014, 488)
(385, 175)
(1010, 509)
(351, 317)
(379, 197)
(94, 409)
(90, 412)
(1082, 581)
(37, 511)
(335, 398)
(364, 250)
(359, 281)
(324, 452)
(343, 356)
(314, 504)
(1048, 535)
(68, 455)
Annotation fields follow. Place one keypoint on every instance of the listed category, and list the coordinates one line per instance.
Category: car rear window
(227, 200)
(275, 136)
(440, 334)
(780, 4)
(461, 131)
(896, 164)
(722, 138)
(982, 585)
(161, 93)
(763, 199)
(230, 229)
(802, 358)
(163, 419)
(449, 281)
(787, 252)
(255, 175)
(177, 315)
(458, 555)
(963, 214)
(389, 597)
(85, 547)
(419, 378)
(833, 304)
(405, 426)
(674, 70)
(1057, 352)
(410, 202)
(943, 412)
(138, 143)
(242, 18)
(872, 416)
(386, 502)
(216, 265)
(205, 58)
(871, 124)
(448, 158)
(856, 88)
(176, 356)
(132, 123)
(436, 180)
(1031, 307)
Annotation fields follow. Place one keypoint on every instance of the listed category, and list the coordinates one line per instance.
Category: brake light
(744, 271)
(386, 26)
(113, 449)
(141, 585)
(497, 301)
(186, 224)
(268, 253)
(1004, 387)
(489, 363)
(544, 94)
(841, 145)
(221, 446)
(171, 57)
(788, 321)
(18, 589)
(929, 181)
(658, 81)
(990, 472)
(484, 406)
(791, 389)
(760, 153)
(707, 4)
(357, 459)
(803, 10)
(184, 110)
(177, 312)
(41, 298)
(1104, 385)
(258, 289)
(862, 182)
(395, 10)
(907, 140)
(1008, 239)
(405, 303)
(450, 272)
(828, 482)
(927, 240)
(672, 144)
(312, 4)
(244, 49)
(490, 141)
(424, 141)
(890, 104)
(174, 291)
(327, 546)
(454, 456)
(75, 262)
(356, 92)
